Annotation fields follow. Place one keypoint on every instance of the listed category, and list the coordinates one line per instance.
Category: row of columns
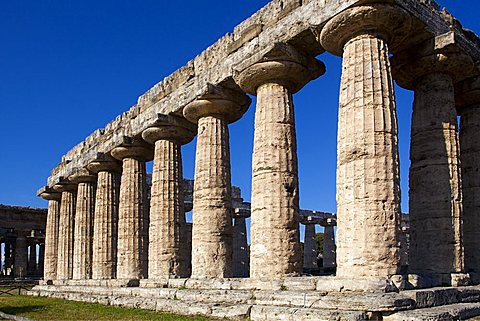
(20, 255)
(368, 183)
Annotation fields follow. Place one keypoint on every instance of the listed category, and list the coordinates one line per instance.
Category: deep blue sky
(69, 67)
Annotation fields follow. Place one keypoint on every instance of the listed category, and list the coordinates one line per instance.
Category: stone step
(459, 311)
(271, 313)
(295, 299)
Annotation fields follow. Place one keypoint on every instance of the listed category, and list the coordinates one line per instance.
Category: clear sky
(69, 67)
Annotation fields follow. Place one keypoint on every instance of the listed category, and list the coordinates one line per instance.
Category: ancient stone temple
(112, 240)
(22, 242)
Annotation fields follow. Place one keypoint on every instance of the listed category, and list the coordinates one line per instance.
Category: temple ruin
(108, 241)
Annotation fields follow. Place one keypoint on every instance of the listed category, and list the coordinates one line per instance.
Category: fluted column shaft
(21, 255)
(41, 259)
(85, 208)
(310, 248)
(329, 248)
(167, 215)
(368, 182)
(51, 240)
(65, 235)
(241, 260)
(470, 154)
(435, 192)
(275, 203)
(105, 224)
(8, 256)
(212, 207)
(132, 251)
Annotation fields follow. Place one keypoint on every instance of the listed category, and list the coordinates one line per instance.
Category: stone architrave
(167, 244)
(132, 247)
(66, 230)
(212, 205)
(21, 254)
(435, 202)
(84, 212)
(241, 261)
(468, 105)
(275, 238)
(51, 234)
(105, 221)
(368, 180)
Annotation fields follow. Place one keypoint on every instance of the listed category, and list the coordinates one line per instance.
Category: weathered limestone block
(435, 202)
(84, 212)
(51, 234)
(105, 222)
(66, 230)
(168, 245)
(212, 207)
(310, 248)
(241, 261)
(132, 248)
(468, 104)
(368, 181)
(21, 254)
(275, 239)
(329, 248)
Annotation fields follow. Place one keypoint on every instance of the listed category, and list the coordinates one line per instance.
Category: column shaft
(21, 256)
(132, 253)
(435, 193)
(105, 223)
(41, 259)
(470, 154)
(329, 248)
(51, 240)
(32, 259)
(241, 262)
(212, 208)
(167, 214)
(368, 184)
(65, 236)
(275, 209)
(310, 248)
(85, 207)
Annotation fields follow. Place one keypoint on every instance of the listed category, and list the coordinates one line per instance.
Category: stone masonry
(272, 55)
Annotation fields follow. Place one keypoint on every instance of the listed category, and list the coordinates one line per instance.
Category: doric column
(310, 248)
(188, 248)
(41, 259)
(51, 233)
(32, 258)
(132, 248)
(84, 212)
(105, 220)
(21, 254)
(329, 247)
(468, 105)
(435, 201)
(66, 230)
(275, 238)
(368, 180)
(241, 261)
(8, 256)
(1, 260)
(212, 206)
(167, 214)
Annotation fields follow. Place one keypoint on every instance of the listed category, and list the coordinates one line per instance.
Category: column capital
(49, 194)
(467, 93)
(170, 128)
(82, 175)
(104, 163)
(408, 67)
(241, 213)
(282, 64)
(133, 148)
(64, 185)
(388, 22)
(227, 103)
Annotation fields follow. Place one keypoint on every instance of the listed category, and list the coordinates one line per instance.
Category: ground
(39, 308)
